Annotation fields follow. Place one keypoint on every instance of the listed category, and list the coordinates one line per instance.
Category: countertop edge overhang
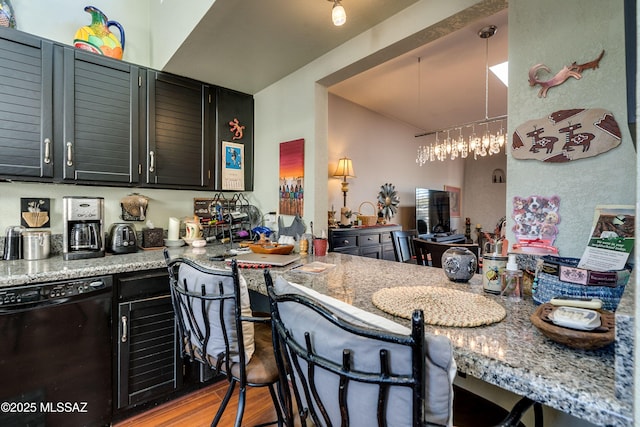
(512, 354)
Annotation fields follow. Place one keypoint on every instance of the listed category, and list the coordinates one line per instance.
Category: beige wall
(383, 151)
(484, 201)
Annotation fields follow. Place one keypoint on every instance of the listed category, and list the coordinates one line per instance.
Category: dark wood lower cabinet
(371, 242)
(148, 368)
(147, 359)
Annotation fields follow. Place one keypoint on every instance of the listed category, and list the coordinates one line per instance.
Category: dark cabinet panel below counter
(371, 242)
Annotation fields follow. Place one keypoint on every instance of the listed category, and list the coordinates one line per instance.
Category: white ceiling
(234, 46)
(248, 45)
(446, 88)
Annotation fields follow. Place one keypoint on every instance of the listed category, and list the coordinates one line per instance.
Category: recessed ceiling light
(502, 72)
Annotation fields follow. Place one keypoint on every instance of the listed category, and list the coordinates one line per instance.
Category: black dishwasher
(55, 353)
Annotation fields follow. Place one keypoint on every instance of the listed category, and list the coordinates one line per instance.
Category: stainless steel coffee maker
(83, 227)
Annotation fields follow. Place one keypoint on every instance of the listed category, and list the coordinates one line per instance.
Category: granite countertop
(511, 354)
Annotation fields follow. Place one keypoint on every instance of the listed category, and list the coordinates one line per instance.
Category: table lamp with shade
(344, 171)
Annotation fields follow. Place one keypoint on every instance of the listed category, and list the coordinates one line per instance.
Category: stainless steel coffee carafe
(84, 236)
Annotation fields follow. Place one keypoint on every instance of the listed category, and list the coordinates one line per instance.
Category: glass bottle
(512, 280)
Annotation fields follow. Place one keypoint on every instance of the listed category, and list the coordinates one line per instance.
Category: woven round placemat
(441, 306)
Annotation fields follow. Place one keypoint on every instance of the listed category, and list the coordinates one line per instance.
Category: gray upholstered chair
(217, 328)
(403, 245)
(352, 368)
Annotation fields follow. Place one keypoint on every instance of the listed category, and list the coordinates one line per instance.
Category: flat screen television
(433, 214)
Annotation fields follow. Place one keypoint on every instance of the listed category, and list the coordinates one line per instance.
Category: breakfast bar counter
(511, 354)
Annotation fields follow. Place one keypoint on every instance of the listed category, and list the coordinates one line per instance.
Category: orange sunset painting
(291, 199)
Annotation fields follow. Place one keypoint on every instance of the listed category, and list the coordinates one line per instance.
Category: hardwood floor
(198, 409)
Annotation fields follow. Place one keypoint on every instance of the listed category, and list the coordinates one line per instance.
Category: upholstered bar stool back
(348, 367)
(217, 328)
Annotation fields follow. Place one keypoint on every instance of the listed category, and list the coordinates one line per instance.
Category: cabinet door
(388, 253)
(26, 97)
(147, 351)
(371, 251)
(176, 131)
(100, 134)
(233, 124)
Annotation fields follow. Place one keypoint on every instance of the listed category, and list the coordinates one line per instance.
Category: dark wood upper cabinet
(26, 105)
(100, 133)
(175, 152)
(232, 105)
(67, 115)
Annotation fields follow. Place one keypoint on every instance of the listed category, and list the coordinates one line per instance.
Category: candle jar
(304, 246)
(174, 229)
(332, 219)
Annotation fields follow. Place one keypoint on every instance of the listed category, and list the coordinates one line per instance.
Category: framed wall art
(232, 166)
(34, 213)
(291, 182)
(455, 201)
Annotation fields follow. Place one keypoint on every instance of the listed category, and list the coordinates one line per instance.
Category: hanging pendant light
(481, 144)
(338, 15)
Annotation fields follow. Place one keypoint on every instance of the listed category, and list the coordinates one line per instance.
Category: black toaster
(122, 239)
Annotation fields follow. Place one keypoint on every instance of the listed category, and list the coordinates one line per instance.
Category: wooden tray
(271, 248)
(585, 340)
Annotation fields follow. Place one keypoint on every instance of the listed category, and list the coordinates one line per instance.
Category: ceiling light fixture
(487, 143)
(338, 15)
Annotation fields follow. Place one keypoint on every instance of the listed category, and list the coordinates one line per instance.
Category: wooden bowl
(584, 340)
(271, 248)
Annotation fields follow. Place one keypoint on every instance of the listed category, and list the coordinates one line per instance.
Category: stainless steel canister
(36, 244)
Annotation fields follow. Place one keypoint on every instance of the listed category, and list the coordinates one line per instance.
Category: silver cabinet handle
(47, 151)
(152, 161)
(123, 337)
(69, 154)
